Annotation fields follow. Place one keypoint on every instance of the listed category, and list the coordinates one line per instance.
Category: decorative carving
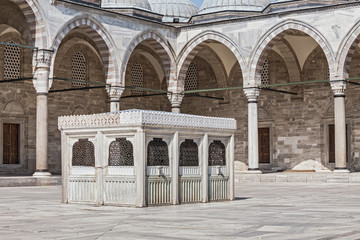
(42, 60)
(146, 117)
(121, 153)
(189, 153)
(217, 154)
(157, 153)
(338, 87)
(83, 153)
(252, 93)
(175, 99)
(12, 61)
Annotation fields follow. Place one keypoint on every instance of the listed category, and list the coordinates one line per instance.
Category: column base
(42, 173)
(341, 170)
(253, 171)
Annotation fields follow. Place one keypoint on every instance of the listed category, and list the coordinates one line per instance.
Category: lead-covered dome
(210, 6)
(141, 4)
(174, 8)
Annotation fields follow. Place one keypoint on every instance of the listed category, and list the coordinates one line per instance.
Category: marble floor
(260, 211)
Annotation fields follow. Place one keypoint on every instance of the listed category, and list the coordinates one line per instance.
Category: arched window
(265, 79)
(137, 78)
(191, 80)
(217, 154)
(189, 153)
(78, 69)
(12, 62)
(121, 153)
(83, 153)
(157, 153)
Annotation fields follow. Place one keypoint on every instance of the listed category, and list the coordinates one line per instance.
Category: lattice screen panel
(137, 78)
(191, 80)
(157, 153)
(189, 153)
(121, 153)
(12, 60)
(83, 153)
(217, 154)
(79, 69)
(265, 79)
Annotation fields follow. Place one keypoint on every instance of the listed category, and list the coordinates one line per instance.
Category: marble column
(41, 83)
(252, 95)
(115, 93)
(175, 100)
(339, 88)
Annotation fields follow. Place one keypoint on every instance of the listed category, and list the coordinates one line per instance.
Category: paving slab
(260, 211)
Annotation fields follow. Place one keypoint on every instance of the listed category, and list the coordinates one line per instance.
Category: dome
(141, 4)
(174, 8)
(210, 6)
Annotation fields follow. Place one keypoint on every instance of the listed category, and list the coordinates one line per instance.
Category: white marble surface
(261, 211)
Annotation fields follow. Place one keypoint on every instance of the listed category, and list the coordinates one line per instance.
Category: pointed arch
(102, 39)
(195, 45)
(347, 50)
(272, 36)
(34, 17)
(161, 47)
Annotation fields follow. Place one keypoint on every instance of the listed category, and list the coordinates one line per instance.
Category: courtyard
(260, 211)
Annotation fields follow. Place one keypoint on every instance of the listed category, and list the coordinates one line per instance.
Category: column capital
(175, 100)
(115, 92)
(338, 87)
(42, 62)
(252, 93)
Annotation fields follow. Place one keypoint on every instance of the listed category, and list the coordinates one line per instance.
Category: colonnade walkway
(260, 211)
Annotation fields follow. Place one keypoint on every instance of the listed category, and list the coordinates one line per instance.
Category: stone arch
(290, 60)
(195, 45)
(347, 50)
(273, 36)
(102, 39)
(35, 20)
(161, 47)
(79, 110)
(13, 107)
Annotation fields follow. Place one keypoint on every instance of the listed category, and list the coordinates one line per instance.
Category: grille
(79, 69)
(191, 80)
(265, 79)
(217, 154)
(11, 62)
(189, 153)
(137, 78)
(83, 153)
(121, 153)
(157, 154)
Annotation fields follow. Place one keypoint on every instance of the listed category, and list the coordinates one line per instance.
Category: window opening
(265, 79)
(189, 153)
(191, 80)
(12, 56)
(217, 154)
(137, 78)
(121, 153)
(79, 69)
(157, 153)
(83, 153)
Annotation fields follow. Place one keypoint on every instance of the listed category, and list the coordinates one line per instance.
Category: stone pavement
(261, 211)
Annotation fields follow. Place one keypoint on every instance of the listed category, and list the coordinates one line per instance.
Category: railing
(217, 170)
(190, 189)
(82, 189)
(218, 189)
(158, 171)
(120, 190)
(189, 171)
(121, 170)
(159, 190)
(82, 170)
